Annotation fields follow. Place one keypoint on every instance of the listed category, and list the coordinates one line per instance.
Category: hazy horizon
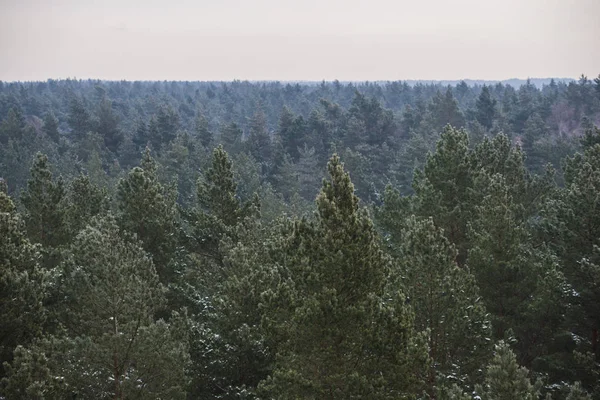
(268, 40)
(470, 81)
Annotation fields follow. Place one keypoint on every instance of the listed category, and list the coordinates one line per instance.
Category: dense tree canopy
(165, 240)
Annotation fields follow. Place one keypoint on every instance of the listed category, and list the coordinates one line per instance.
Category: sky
(298, 40)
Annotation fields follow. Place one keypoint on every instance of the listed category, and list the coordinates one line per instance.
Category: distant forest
(273, 240)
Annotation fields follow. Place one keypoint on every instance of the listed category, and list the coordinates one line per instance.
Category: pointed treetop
(506, 380)
(337, 199)
(6, 204)
(148, 164)
(217, 192)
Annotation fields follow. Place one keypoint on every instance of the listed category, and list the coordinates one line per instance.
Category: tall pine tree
(344, 333)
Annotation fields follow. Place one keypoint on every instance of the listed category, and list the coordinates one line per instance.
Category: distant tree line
(281, 241)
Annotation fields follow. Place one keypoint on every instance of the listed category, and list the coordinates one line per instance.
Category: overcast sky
(298, 40)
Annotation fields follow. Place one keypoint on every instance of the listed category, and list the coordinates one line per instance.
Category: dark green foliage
(15, 160)
(162, 128)
(167, 122)
(590, 137)
(12, 126)
(217, 193)
(231, 350)
(521, 284)
(84, 201)
(107, 126)
(44, 205)
(506, 380)
(219, 210)
(573, 229)
(22, 283)
(110, 346)
(147, 209)
(79, 118)
(485, 108)
(443, 110)
(442, 187)
(231, 137)
(179, 162)
(292, 132)
(259, 138)
(471, 246)
(202, 130)
(576, 392)
(29, 378)
(378, 123)
(141, 136)
(446, 301)
(300, 178)
(51, 127)
(534, 130)
(228, 354)
(344, 332)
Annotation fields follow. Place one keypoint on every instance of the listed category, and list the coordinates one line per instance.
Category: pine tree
(344, 333)
(499, 156)
(22, 283)
(453, 392)
(154, 135)
(534, 130)
(108, 126)
(177, 162)
(259, 140)
(129, 153)
(110, 345)
(292, 132)
(228, 354)
(231, 137)
(79, 118)
(355, 132)
(590, 137)
(141, 137)
(576, 392)
(485, 108)
(147, 208)
(44, 205)
(167, 121)
(446, 301)
(309, 177)
(442, 187)
(521, 283)
(217, 193)
(202, 130)
(12, 127)
(84, 200)
(319, 134)
(285, 127)
(96, 171)
(506, 380)
(287, 180)
(51, 127)
(29, 378)
(572, 226)
(378, 123)
(15, 157)
(219, 210)
(248, 175)
(231, 350)
(443, 110)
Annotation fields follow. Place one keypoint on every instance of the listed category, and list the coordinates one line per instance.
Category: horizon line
(295, 80)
